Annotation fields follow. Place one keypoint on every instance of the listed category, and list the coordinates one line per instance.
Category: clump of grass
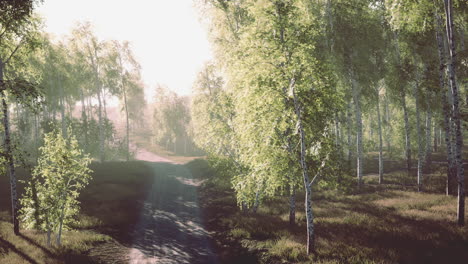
(287, 249)
(239, 233)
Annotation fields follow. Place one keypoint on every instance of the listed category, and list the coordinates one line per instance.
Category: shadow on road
(170, 228)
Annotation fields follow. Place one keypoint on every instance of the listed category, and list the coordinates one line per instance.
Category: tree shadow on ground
(7, 246)
(390, 237)
(170, 227)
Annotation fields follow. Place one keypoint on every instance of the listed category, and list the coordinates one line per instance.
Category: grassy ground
(110, 206)
(382, 224)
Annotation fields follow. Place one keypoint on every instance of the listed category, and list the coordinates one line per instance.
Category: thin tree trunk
(387, 123)
(407, 134)
(49, 231)
(85, 120)
(307, 182)
(436, 136)
(455, 113)
(9, 155)
(428, 154)
(292, 205)
(337, 131)
(381, 169)
(11, 164)
(101, 128)
(418, 129)
(357, 104)
(62, 111)
(59, 235)
(257, 201)
(446, 107)
(127, 123)
(349, 125)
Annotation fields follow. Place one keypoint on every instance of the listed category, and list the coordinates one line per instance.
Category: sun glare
(166, 36)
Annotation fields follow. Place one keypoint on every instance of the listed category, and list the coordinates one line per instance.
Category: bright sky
(166, 35)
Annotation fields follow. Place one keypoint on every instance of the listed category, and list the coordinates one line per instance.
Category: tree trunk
(455, 113)
(349, 125)
(381, 179)
(101, 127)
(357, 104)
(418, 130)
(407, 134)
(257, 201)
(62, 215)
(48, 236)
(446, 107)
(307, 182)
(127, 124)
(11, 164)
(337, 131)
(436, 136)
(292, 205)
(428, 152)
(387, 123)
(9, 155)
(84, 116)
(62, 111)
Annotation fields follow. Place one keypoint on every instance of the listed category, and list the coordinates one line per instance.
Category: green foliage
(51, 197)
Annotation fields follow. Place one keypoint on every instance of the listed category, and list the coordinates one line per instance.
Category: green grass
(391, 223)
(110, 207)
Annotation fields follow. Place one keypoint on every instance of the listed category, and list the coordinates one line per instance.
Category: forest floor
(389, 223)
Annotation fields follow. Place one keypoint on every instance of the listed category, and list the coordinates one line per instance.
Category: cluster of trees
(300, 90)
(46, 84)
(172, 126)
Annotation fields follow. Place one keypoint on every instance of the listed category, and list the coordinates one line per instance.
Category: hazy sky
(166, 36)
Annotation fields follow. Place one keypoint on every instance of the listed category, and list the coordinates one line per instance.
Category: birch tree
(61, 173)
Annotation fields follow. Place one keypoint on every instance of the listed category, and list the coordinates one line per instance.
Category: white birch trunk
(359, 147)
(407, 135)
(418, 130)
(381, 169)
(292, 205)
(9, 155)
(455, 113)
(428, 152)
(101, 127)
(446, 107)
(307, 182)
(349, 125)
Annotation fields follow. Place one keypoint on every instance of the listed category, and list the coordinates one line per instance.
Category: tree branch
(14, 51)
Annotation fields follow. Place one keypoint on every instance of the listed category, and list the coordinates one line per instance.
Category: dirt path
(170, 229)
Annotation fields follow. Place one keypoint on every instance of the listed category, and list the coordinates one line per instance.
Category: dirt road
(170, 229)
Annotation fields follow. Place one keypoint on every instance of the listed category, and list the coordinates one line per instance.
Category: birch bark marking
(357, 109)
(445, 104)
(348, 127)
(455, 113)
(418, 129)
(292, 205)
(127, 124)
(305, 174)
(407, 134)
(428, 148)
(381, 179)
(9, 155)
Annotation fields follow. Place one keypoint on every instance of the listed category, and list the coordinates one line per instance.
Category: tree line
(52, 86)
(300, 91)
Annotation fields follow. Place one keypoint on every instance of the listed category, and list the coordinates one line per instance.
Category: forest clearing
(233, 131)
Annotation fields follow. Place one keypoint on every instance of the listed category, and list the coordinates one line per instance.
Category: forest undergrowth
(388, 223)
(102, 234)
